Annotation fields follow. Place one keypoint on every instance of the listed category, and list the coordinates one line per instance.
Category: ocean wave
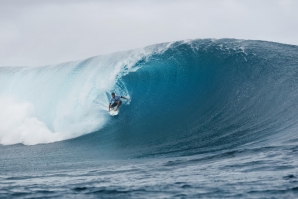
(187, 97)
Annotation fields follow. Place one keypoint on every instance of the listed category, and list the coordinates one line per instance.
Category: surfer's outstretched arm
(124, 97)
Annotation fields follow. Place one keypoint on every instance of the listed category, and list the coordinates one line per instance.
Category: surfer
(115, 101)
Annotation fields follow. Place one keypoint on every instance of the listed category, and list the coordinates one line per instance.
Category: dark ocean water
(206, 119)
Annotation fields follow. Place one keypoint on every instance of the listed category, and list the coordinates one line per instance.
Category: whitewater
(207, 119)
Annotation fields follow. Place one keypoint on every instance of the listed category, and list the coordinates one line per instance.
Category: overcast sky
(42, 32)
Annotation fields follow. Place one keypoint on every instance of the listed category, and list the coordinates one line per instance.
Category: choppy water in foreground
(268, 172)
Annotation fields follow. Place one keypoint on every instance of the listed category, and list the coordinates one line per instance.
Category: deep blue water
(206, 119)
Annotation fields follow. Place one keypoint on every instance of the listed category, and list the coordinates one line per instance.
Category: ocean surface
(207, 119)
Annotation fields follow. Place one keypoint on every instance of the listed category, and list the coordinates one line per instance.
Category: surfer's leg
(114, 104)
(118, 104)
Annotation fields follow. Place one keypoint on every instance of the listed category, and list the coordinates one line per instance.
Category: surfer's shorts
(116, 103)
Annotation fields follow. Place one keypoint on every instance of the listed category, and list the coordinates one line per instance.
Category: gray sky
(41, 32)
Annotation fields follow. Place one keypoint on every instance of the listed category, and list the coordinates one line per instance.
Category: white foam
(19, 125)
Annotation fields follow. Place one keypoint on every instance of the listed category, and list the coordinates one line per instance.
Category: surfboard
(113, 113)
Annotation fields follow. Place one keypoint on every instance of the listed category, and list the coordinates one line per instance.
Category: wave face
(186, 97)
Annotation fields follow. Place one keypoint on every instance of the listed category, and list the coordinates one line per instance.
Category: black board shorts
(115, 104)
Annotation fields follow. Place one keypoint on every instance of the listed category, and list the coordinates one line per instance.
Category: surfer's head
(113, 94)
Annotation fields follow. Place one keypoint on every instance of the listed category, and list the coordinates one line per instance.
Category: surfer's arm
(124, 97)
(110, 104)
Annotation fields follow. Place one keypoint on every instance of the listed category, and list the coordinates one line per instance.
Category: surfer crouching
(115, 101)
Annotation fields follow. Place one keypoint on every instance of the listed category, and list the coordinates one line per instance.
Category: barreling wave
(187, 97)
(59, 102)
